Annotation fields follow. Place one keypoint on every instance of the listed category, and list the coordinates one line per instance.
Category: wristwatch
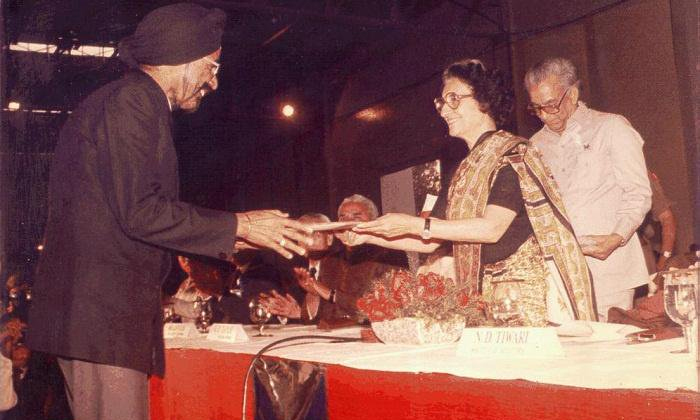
(425, 234)
(667, 254)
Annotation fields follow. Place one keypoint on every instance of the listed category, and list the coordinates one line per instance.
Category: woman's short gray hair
(358, 198)
(562, 68)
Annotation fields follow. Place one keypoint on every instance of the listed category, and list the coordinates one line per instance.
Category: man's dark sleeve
(131, 147)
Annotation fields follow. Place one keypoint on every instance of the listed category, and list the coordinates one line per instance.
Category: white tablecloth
(602, 361)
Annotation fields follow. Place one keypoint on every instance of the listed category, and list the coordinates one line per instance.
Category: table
(596, 380)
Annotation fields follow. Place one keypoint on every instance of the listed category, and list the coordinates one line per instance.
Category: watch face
(425, 234)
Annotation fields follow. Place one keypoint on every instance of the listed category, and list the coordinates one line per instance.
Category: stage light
(288, 110)
(13, 106)
(40, 247)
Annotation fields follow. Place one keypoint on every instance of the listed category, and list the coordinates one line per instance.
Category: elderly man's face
(352, 212)
(199, 78)
(356, 212)
(551, 92)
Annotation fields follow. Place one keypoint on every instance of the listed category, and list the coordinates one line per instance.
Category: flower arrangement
(429, 297)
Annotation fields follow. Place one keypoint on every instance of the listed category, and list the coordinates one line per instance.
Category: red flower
(399, 294)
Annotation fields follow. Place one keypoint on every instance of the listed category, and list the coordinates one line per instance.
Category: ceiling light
(13, 106)
(288, 110)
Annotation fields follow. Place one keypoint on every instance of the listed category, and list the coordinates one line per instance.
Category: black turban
(174, 34)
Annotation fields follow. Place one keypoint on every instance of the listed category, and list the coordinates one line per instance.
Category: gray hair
(562, 68)
(314, 218)
(358, 198)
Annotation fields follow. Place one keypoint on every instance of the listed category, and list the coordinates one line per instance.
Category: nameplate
(511, 342)
(177, 330)
(228, 333)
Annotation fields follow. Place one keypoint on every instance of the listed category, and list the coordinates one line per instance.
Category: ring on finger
(283, 242)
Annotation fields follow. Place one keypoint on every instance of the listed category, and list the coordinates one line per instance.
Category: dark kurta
(113, 212)
(351, 274)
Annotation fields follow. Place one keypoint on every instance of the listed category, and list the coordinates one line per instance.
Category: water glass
(203, 310)
(259, 315)
(506, 306)
(680, 290)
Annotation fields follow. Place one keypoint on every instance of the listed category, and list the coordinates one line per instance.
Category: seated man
(346, 274)
(257, 273)
(205, 281)
(228, 291)
(287, 305)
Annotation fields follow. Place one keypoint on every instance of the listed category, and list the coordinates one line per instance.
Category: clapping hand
(283, 305)
(272, 229)
(305, 280)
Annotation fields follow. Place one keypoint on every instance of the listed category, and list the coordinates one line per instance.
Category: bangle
(331, 296)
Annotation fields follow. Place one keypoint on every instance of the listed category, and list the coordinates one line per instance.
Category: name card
(511, 342)
(228, 333)
(176, 330)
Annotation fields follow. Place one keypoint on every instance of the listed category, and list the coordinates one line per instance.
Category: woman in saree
(502, 213)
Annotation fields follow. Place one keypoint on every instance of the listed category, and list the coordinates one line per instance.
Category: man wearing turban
(114, 215)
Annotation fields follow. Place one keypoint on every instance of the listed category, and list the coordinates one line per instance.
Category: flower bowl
(418, 331)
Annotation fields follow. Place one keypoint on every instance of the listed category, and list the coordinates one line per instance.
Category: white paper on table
(595, 331)
(227, 333)
(175, 330)
(575, 329)
(529, 342)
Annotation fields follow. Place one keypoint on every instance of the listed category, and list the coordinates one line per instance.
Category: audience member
(287, 305)
(347, 274)
(205, 281)
(597, 161)
(257, 273)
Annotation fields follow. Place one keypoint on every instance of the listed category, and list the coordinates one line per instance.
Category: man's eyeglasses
(451, 99)
(549, 109)
(215, 65)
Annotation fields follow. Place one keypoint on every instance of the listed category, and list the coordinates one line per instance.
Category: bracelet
(331, 296)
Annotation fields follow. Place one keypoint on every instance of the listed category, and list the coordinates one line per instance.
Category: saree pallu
(468, 197)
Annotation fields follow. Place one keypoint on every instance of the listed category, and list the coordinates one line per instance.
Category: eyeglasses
(215, 65)
(549, 109)
(451, 99)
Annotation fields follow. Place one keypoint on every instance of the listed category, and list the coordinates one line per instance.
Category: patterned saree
(554, 240)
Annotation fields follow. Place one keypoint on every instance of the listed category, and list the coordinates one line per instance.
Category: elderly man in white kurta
(597, 160)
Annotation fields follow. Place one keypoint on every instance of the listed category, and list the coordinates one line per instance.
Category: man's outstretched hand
(272, 229)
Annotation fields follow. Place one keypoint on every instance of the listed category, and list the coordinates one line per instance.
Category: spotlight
(13, 106)
(288, 110)
(40, 247)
